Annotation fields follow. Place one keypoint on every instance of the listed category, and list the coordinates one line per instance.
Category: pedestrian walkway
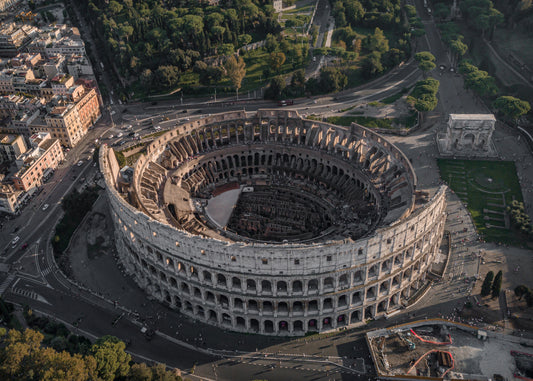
(5, 284)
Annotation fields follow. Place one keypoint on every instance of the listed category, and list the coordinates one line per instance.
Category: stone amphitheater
(324, 227)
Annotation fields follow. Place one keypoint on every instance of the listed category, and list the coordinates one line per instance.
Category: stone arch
(268, 326)
(266, 286)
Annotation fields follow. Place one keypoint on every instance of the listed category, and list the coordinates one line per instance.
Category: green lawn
(483, 184)
(370, 122)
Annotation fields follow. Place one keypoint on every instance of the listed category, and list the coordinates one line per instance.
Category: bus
(288, 102)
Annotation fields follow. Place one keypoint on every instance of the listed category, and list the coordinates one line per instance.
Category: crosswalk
(27, 293)
(5, 284)
(47, 270)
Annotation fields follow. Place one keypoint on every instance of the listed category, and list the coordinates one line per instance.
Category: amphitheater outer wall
(284, 289)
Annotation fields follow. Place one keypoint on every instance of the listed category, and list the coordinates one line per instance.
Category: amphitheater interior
(270, 223)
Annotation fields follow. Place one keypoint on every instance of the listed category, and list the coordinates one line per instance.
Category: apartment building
(38, 162)
(11, 147)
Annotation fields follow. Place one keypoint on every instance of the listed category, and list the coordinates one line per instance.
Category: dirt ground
(516, 265)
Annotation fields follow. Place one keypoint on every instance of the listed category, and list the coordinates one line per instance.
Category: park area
(486, 188)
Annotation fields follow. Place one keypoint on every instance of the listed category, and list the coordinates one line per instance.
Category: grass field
(407, 121)
(486, 187)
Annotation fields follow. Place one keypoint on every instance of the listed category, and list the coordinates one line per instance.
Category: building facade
(277, 288)
(34, 165)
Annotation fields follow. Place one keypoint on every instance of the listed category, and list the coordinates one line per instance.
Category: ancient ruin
(468, 135)
(274, 224)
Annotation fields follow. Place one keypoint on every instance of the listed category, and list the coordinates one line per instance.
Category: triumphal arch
(468, 135)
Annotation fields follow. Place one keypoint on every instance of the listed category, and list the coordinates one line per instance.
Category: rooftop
(472, 117)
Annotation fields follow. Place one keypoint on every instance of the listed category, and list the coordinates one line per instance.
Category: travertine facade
(286, 288)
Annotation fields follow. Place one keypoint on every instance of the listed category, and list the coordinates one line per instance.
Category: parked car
(15, 240)
(45, 206)
(80, 163)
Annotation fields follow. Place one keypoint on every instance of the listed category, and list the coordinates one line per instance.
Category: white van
(15, 240)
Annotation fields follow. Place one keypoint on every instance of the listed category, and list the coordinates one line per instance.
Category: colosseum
(270, 223)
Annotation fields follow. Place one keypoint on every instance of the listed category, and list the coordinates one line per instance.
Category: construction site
(441, 349)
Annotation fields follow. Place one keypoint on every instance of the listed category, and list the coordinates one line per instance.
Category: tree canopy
(23, 356)
(512, 107)
(424, 95)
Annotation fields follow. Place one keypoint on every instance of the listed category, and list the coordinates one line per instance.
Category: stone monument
(468, 135)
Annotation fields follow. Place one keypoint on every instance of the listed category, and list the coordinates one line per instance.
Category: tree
(275, 88)
(271, 43)
(372, 65)
(235, 70)
(377, 42)
(111, 359)
(168, 75)
(458, 48)
(426, 61)
(276, 60)
(497, 285)
(424, 95)
(520, 291)
(512, 107)
(332, 79)
(487, 284)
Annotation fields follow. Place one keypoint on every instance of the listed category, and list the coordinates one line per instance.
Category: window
(233, 259)
(328, 258)
(296, 261)
(360, 252)
(265, 261)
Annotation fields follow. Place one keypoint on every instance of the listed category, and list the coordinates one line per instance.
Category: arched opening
(343, 281)
(267, 307)
(369, 313)
(296, 286)
(197, 293)
(329, 284)
(283, 309)
(210, 297)
(342, 301)
(266, 286)
(184, 288)
(382, 306)
(254, 325)
(241, 323)
(298, 326)
(212, 316)
(238, 304)
(312, 286)
(250, 285)
(326, 323)
(207, 277)
(341, 320)
(355, 317)
(252, 306)
(327, 304)
(200, 312)
(356, 298)
(297, 308)
(312, 325)
(282, 287)
(312, 306)
(223, 300)
(226, 319)
(188, 306)
(283, 326)
(221, 280)
(269, 326)
(236, 283)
